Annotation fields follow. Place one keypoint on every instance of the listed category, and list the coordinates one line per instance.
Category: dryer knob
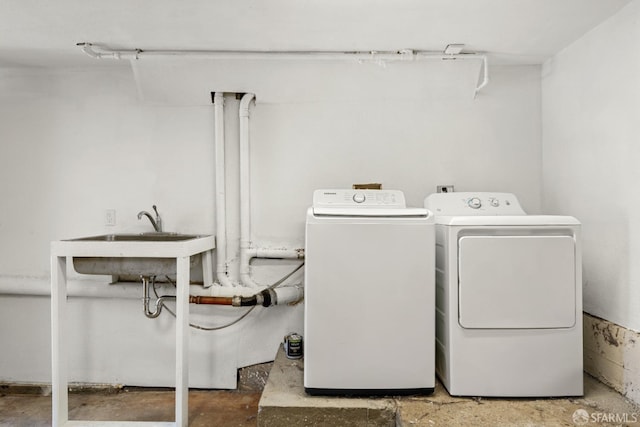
(495, 203)
(474, 203)
(359, 197)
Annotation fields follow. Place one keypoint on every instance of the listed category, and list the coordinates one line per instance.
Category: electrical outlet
(110, 217)
(445, 188)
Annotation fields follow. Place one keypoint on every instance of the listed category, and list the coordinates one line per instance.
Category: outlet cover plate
(445, 188)
(110, 217)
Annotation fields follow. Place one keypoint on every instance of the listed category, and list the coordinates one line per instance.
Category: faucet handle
(158, 219)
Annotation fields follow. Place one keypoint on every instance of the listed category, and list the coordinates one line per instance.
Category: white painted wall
(77, 142)
(591, 123)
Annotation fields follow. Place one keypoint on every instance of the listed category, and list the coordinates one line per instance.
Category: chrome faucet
(157, 223)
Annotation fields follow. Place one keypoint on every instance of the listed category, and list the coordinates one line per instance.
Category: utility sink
(143, 237)
(135, 254)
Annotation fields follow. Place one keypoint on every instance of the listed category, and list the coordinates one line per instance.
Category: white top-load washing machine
(509, 298)
(369, 295)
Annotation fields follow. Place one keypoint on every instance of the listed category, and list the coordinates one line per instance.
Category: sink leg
(182, 341)
(60, 395)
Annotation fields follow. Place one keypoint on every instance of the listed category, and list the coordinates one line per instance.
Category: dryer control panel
(469, 204)
(359, 198)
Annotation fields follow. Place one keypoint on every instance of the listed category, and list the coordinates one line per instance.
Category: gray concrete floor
(31, 406)
(601, 405)
(206, 408)
(284, 403)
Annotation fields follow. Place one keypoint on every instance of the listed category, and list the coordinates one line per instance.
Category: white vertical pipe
(221, 221)
(207, 274)
(246, 252)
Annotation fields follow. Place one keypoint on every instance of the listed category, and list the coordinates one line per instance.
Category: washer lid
(368, 203)
(371, 212)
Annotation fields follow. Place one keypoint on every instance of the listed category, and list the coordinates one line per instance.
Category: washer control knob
(495, 203)
(359, 197)
(474, 203)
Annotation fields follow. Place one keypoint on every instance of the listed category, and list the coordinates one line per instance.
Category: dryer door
(516, 282)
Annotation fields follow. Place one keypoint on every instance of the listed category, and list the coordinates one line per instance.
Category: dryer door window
(516, 282)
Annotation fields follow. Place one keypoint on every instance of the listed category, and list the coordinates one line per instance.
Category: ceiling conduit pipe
(108, 54)
(221, 224)
(373, 56)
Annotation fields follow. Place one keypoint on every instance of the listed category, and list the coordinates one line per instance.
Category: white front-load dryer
(509, 298)
(369, 321)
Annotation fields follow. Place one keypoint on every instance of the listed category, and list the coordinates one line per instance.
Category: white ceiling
(44, 33)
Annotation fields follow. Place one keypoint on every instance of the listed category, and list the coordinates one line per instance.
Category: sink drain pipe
(146, 299)
(265, 298)
(273, 295)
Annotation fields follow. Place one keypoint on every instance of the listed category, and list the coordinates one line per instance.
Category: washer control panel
(358, 198)
(479, 203)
